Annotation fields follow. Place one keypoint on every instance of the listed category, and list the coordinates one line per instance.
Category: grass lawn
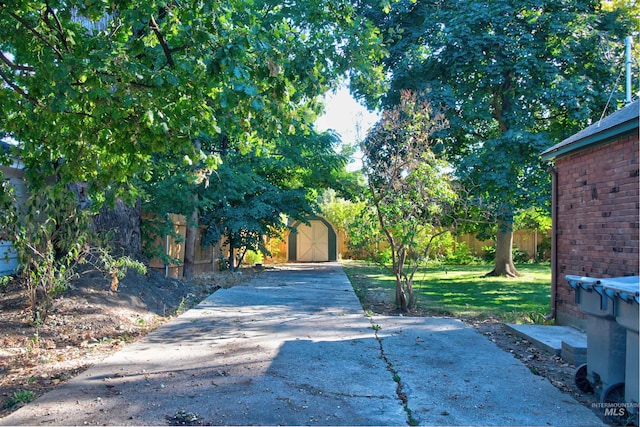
(463, 292)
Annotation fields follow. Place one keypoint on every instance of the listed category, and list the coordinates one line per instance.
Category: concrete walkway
(293, 347)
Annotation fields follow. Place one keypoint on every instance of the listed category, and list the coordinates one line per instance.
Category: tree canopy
(512, 78)
(94, 91)
(146, 100)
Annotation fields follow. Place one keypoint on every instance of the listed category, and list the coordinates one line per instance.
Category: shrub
(519, 256)
(19, 397)
(223, 262)
(55, 243)
(253, 257)
(525, 317)
(461, 255)
(443, 246)
(383, 258)
(544, 249)
(489, 253)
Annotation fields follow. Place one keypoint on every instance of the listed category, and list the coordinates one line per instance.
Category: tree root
(508, 272)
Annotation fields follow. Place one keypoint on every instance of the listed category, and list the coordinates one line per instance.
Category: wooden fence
(205, 260)
(525, 240)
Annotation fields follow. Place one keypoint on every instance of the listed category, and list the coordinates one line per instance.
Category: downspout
(554, 241)
(629, 60)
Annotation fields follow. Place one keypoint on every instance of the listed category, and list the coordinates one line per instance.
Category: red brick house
(596, 205)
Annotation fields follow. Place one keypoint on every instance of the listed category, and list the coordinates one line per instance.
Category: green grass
(462, 291)
(19, 397)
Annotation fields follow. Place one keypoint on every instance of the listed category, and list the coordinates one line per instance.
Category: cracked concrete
(293, 347)
(396, 377)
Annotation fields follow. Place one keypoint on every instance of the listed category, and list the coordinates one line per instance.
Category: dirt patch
(560, 373)
(87, 323)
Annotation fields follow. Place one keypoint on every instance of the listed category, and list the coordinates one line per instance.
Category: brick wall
(598, 217)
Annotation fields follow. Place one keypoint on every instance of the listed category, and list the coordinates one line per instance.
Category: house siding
(598, 218)
(14, 175)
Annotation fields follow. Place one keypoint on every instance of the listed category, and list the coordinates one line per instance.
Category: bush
(544, 249)
(18, 398)
(525, 317)
(489, 253)
(223, 262)
(253, 257)
(55, 244)
(443, 246)
(461, 255)
(383, 258)
(519, 257)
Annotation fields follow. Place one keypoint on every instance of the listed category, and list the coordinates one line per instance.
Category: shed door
(313, 242)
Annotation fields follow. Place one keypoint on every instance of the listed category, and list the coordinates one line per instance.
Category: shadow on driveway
(293, 347)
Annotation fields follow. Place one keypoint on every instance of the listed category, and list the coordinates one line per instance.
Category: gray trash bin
(625, 295)
(606, 339)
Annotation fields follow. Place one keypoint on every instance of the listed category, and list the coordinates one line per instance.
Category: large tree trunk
(504, 252)
(122, 224)
(190, 243)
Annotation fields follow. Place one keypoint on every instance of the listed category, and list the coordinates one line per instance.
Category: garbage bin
(625, 294)
(606, 339)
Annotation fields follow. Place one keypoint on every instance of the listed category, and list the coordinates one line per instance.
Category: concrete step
(564, 341)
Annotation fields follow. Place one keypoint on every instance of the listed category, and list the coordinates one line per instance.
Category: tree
(111, 92)
(248, 194)
(339, 212)
(409, 186)
(356, 219)
(512, 77)
(108, 84)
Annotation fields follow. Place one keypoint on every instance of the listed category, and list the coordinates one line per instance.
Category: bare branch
(58, 27)
(36, 33)
(15, 66)
(19, 90)
(165, 48)
(82, 114)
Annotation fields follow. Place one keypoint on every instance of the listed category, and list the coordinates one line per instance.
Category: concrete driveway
(293, 347)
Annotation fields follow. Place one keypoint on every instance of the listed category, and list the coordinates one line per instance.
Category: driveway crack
(396, 377)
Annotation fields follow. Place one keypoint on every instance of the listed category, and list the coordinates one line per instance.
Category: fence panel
(171, 246)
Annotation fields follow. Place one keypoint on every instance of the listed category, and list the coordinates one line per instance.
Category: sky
(348, 118)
